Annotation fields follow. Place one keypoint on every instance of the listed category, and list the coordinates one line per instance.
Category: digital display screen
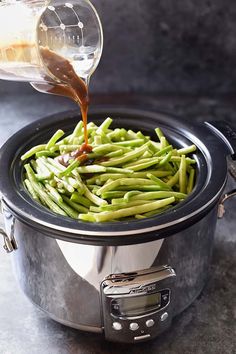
(138, 305)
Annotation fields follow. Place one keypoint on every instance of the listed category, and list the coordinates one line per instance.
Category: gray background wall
(169, 46)
(165, 46)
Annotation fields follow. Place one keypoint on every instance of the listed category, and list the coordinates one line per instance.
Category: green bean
(182, 175)
(166, 159)
(54, 139)
(48, 165)
(131, 134)
(155, 147)
(154, 195)
(105, 138)
(63, 141)
(38, 188)
(77, 207)
(187, 150)
(164, 143)
(113, 194)
(118, 170)
(61, 190)
(104, 126)
(115, 153)
(43, 169)
(158, 181)
(147, 154)
(141, 136)
(63, 184)
(77, 131)
(92, 186)
(68, 209)
(42, 178)
(52, 183)
(159, 133)
(54, 192)
(56, 164)
(33, 151)
(94, 190)
(131, 143)
(164, 150)
(153, 213)
(125, 173)
(91, 169)
(68, 148)
(71, 181)
(31, 190)
(114, 207)
(92, 156)
(139, 209)
(98, 140)
(173, 180)
(70, 168)
(87, 217)
(123, 182)
(45, 153)
(140, 161)
(104, 177)
(93, 198)
(130, 194)
(178, 159)
(126, 157)
(107, 148)
(191, 181)
(94, 180)
(78, 198)
(149, 187)
(55, 149)
(141, 166)
(115, 134)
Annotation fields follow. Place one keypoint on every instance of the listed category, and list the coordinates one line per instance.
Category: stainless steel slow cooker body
(126, 279)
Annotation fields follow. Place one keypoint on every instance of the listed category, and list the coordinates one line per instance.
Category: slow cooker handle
(226, 133)
(9, 244)
(9, 241)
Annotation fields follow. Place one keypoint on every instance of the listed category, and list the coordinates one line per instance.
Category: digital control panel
(137, 306)
(132, 306)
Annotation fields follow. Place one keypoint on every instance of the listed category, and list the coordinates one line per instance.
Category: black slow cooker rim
(155, 227)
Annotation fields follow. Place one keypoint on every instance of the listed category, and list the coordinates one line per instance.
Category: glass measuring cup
(71, 30)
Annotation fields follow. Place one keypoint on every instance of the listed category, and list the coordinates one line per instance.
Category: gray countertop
(207, 326)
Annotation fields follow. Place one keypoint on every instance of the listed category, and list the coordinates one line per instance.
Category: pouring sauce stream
(69, 84)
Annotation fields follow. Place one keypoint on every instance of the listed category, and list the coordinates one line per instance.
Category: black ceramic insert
(211, 178)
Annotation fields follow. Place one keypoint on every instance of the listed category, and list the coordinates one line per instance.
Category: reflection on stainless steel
(64, 278)
(94, 263)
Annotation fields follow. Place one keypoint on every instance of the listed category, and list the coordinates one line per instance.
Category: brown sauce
(80, 154)
(65, 83)
(69, 85)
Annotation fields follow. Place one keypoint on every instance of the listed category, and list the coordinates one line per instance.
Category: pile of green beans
(127, 175)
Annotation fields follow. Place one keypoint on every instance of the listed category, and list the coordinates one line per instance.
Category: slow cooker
(124, 279)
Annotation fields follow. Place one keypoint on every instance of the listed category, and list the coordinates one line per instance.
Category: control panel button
(150, 323)
(133, 326)
(141, 338)
(164, 316)
(117, 326)
(165, 298)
